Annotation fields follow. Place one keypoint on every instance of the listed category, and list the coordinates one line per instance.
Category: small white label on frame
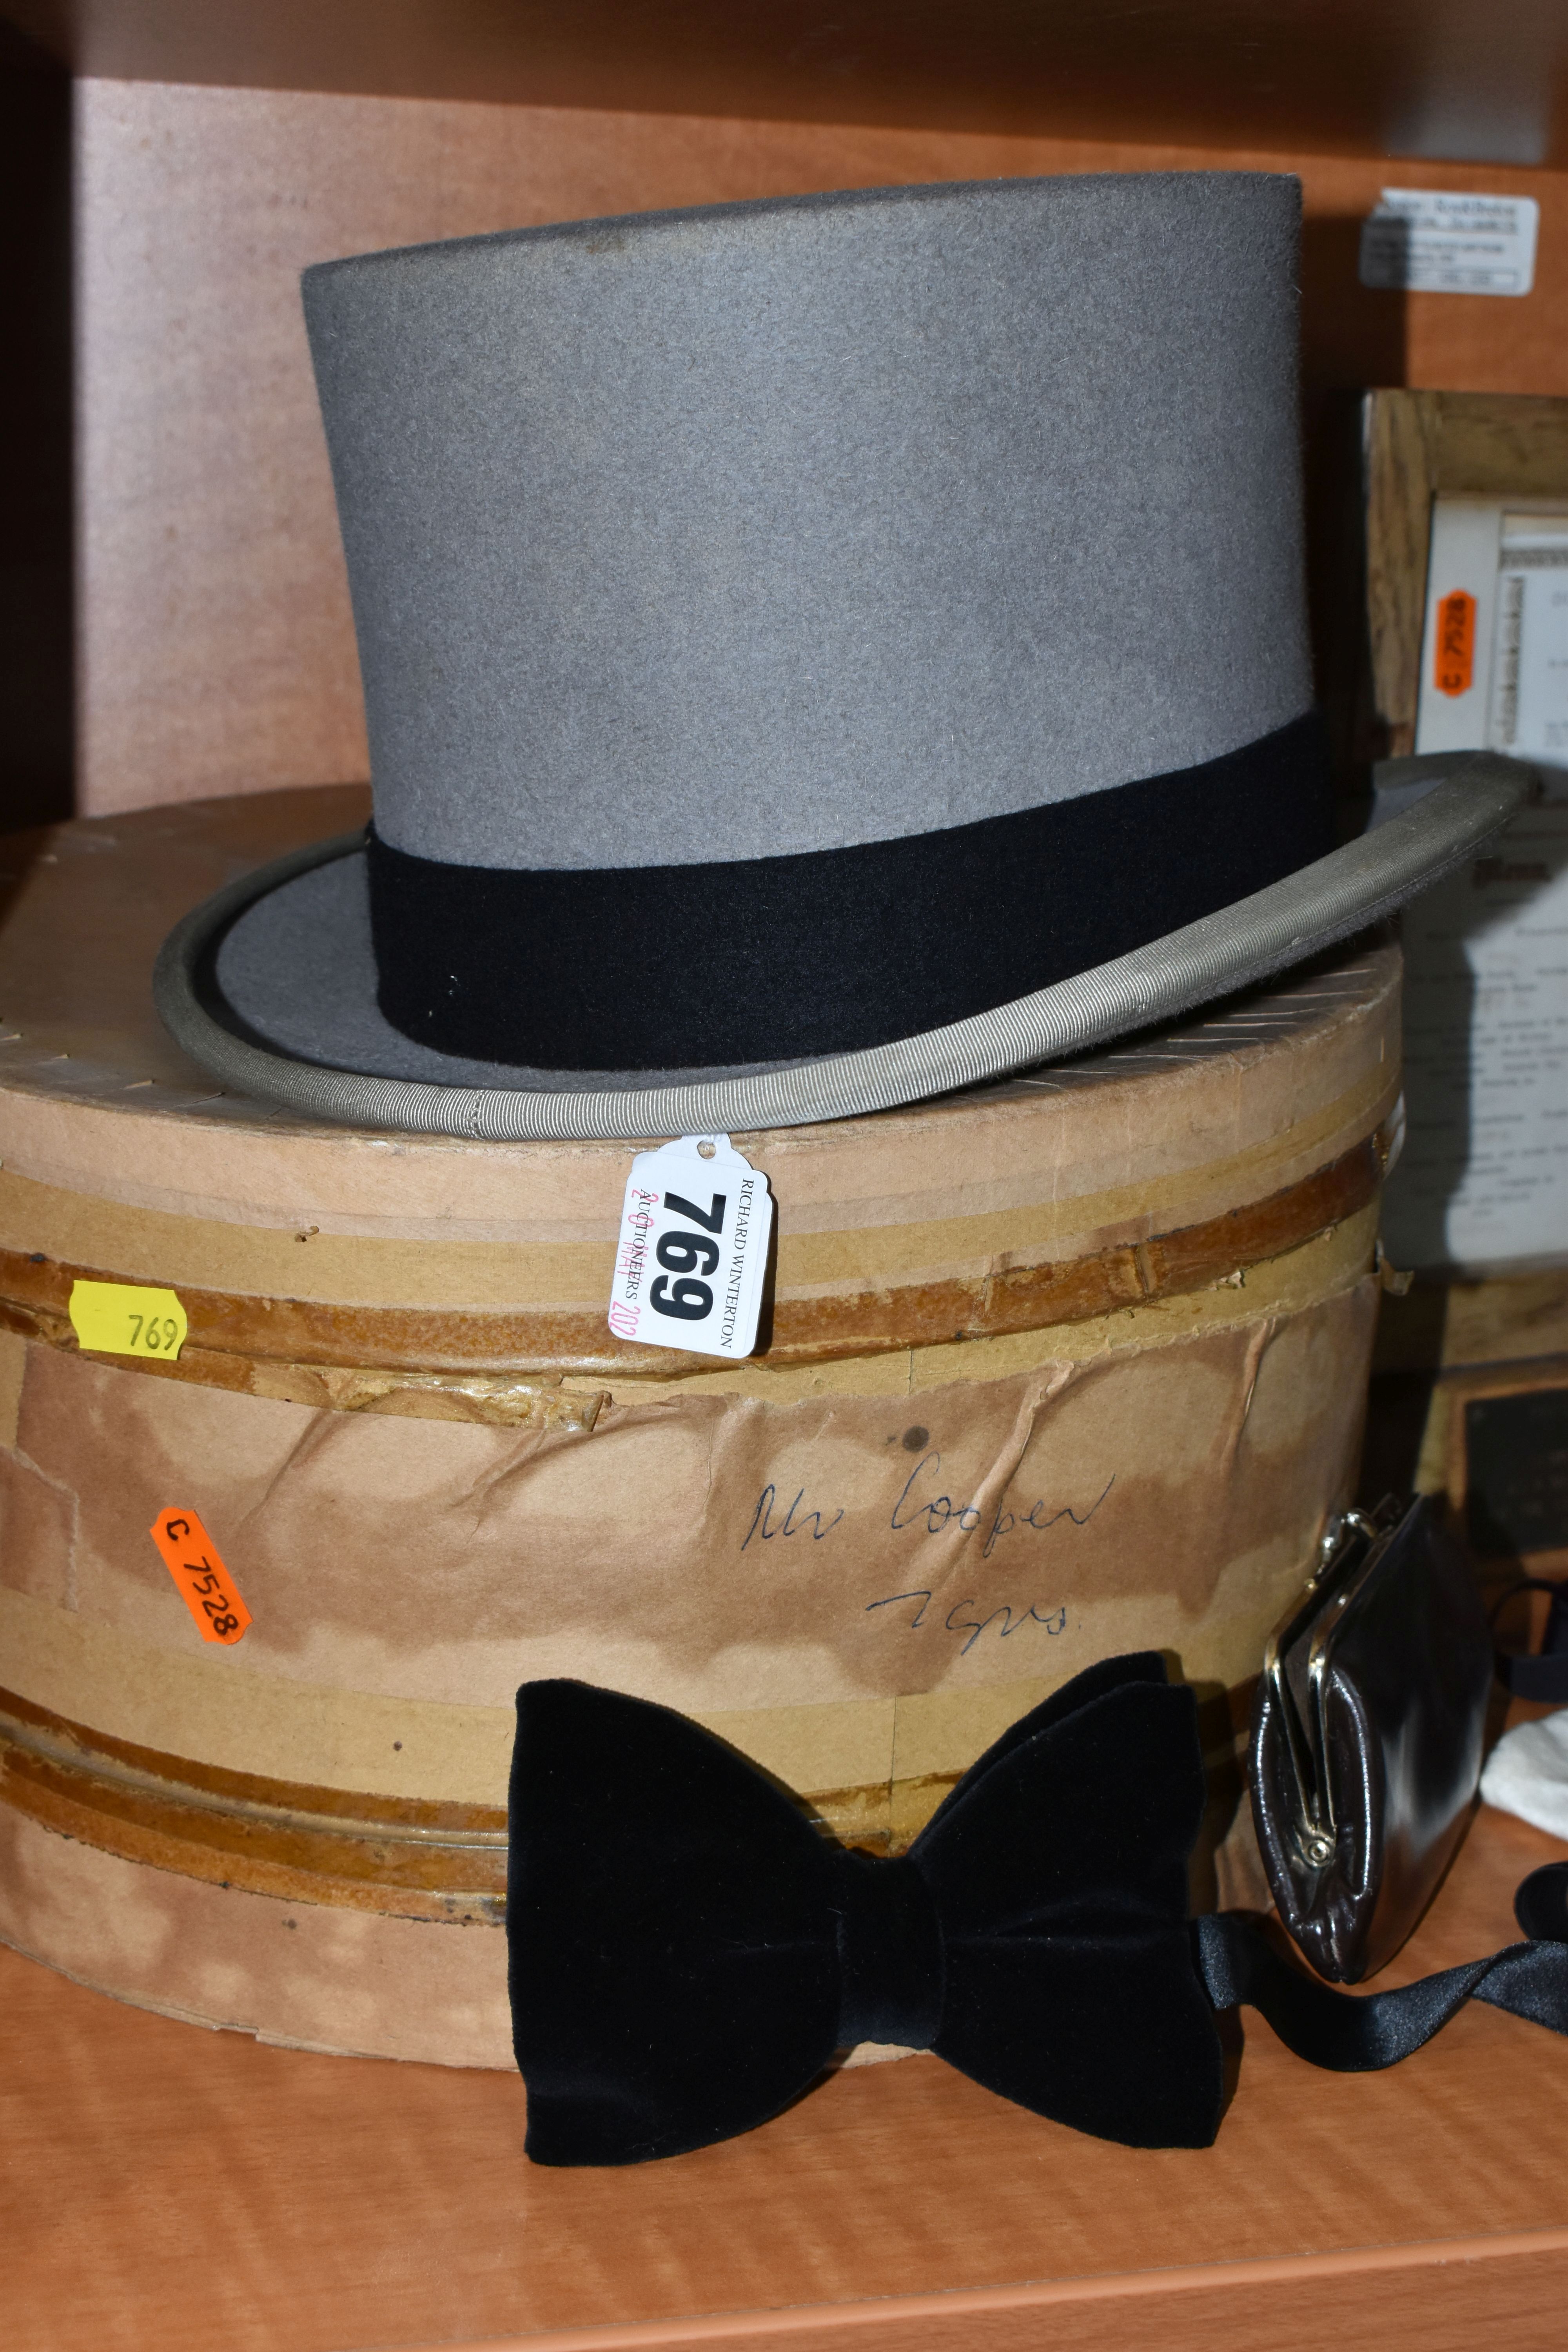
(693, 1249)
(1444, 241)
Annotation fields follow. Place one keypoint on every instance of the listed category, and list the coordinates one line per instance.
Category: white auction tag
(693, 1249)
(1446, 241)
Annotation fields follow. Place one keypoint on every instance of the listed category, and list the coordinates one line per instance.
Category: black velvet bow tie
(687, 1951)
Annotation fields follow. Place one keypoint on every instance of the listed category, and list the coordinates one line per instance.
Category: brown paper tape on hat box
(1058, 1368)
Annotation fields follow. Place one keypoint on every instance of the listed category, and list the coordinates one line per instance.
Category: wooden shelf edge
(988, 2315)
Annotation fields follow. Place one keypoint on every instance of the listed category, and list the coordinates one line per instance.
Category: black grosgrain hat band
(828, 951)
(687, 1951)
(230, 1033)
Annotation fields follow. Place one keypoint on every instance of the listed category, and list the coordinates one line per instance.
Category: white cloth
(1527, 1773)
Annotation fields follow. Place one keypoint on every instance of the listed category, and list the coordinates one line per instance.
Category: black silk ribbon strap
(825, 952)
(1541, 1678)
(1540, 1675)
(1358, 2034)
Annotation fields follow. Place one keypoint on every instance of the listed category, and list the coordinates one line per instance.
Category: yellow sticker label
(120, 1318)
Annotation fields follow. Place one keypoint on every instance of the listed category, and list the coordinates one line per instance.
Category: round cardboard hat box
(1063, 1366)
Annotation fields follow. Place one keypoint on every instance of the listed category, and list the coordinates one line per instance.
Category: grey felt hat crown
(807, 644)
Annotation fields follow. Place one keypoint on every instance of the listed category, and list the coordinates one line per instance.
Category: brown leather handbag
(1367, 1737)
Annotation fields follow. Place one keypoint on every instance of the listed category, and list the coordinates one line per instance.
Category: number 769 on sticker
(692, 1249)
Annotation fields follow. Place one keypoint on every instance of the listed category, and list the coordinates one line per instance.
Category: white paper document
(1482, 1182)
(1494, 658)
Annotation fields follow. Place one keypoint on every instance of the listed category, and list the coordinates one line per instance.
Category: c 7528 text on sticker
(205, 1586)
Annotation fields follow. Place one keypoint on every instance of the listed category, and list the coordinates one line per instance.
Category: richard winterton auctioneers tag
(693, 1250)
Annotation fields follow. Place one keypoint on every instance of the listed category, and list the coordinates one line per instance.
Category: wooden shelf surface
(1362, 77)
(173, 2189)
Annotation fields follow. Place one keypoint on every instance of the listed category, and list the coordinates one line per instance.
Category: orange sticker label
(1455, 662)
(210, 1592)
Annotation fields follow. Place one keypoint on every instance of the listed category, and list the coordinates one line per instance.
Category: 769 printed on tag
(693, 1249)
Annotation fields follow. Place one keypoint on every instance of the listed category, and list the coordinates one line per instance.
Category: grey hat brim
(271, 983)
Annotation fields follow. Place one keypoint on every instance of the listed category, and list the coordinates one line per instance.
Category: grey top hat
(817, 653)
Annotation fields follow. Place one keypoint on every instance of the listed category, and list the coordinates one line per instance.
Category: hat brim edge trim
(1353, 887)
